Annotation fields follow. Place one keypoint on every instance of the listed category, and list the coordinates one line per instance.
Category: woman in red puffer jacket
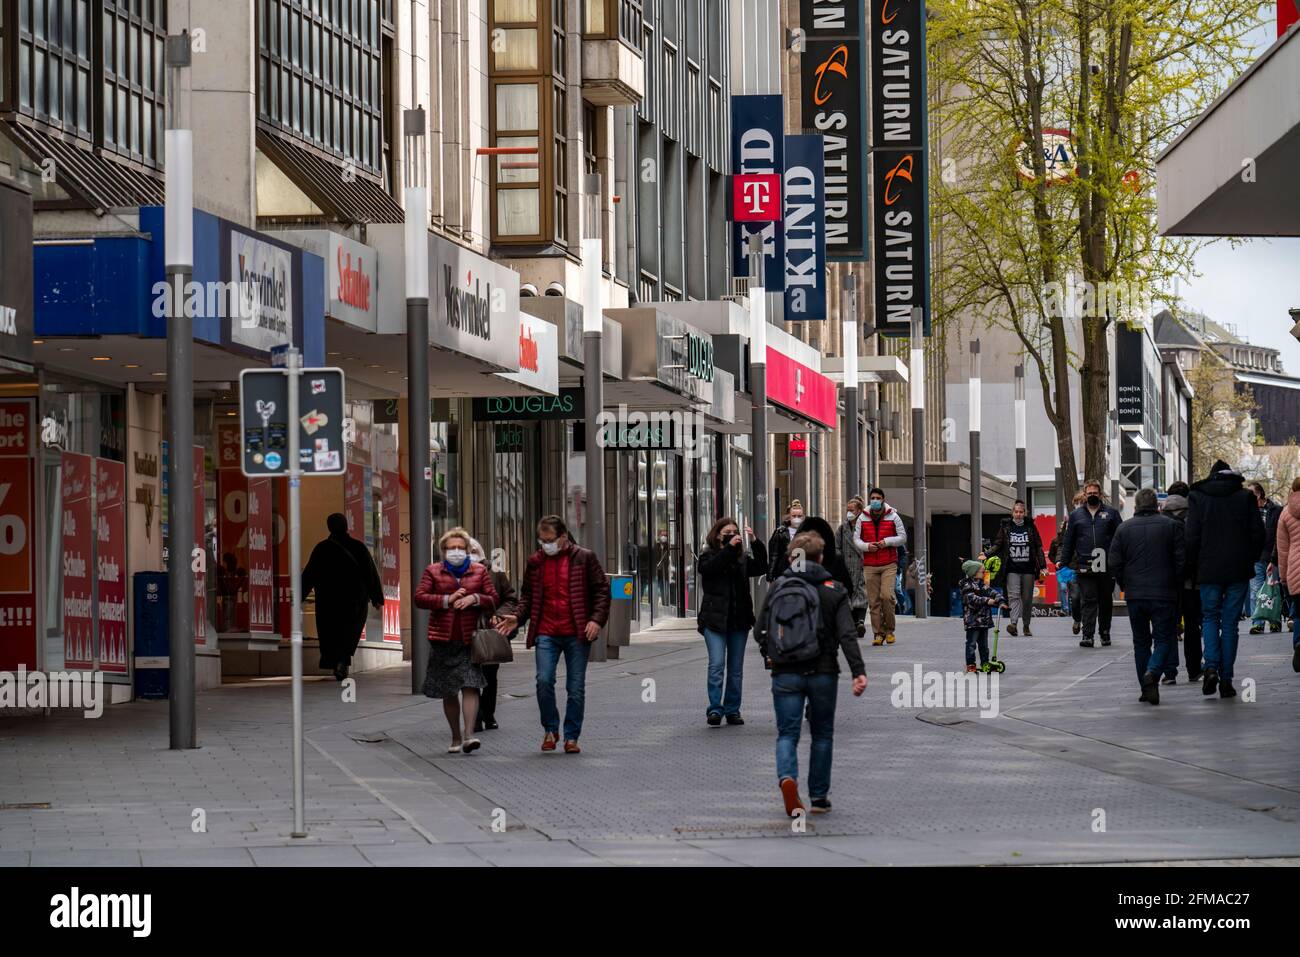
(1288, 561)
(456, 591)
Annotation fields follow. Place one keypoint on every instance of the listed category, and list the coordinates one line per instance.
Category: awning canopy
(1233, 171)
(92, 177)
(357, 199)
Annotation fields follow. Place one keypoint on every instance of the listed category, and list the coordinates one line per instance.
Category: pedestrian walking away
(1020, 548)
(1147, 557)
(1087, 541)
(978, 599)
(1266, 564)
(1067, 581)
(803, 626)
(457, 591)
(507, 606)
(1225, 536)
(726, 565)
(844, 536)
(1288, 557)
(778, 545)
(902, 602)
(342, 573)
(880, 532)
(1189, 598)
(564, 601)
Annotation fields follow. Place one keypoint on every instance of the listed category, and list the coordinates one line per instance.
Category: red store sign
(756, 197)
(78, 554)
(17, 534)
(801, 390)
(110, 564)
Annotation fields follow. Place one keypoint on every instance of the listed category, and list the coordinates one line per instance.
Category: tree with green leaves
(1047, 119)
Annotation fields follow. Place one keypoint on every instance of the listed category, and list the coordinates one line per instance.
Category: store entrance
(655, 533)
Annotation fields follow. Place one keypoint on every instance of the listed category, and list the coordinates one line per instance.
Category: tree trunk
(1095, 399)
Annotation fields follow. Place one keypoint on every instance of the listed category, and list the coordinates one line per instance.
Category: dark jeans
(977, 638)
(1221, 616)
(1189, 606)
(575, 650)
(726, 669)
(487, 707)
(789, 695)
(1153, 621)
(1098, 592)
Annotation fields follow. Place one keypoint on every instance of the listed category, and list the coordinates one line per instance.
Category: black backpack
(792, 620)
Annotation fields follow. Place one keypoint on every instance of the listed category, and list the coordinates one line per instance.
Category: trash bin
(622, 594)
(152, 647)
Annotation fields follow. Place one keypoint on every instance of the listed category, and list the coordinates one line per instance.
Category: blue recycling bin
(152, 647)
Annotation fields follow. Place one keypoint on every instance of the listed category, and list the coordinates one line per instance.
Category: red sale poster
(78, 550)
(110, 529)
(200, 576)
(390, 570)
(354, 500)
(228, 446)
(261, 576)
(17, 528)
(280, 546)
(232, 550)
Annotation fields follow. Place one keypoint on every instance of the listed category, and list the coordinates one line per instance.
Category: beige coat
(1288, 544)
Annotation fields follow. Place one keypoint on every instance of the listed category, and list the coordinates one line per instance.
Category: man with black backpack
(804, 623)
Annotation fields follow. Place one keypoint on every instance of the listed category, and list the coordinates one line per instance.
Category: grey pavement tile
(85, 857)
(802, 850)
(15, 858)
(306, 855)
(423, 855)
(537, 854)
(197, 857)
(653, 853)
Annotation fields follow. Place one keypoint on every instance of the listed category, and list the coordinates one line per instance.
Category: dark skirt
(450, 670)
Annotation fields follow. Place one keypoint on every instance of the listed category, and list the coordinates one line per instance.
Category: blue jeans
(575, 650)
(726, 658)
(1295, 632)
(901, 597)
(1154, 622)
(1256, 583)
(977, 638)
(789, 693)
(1220, 611)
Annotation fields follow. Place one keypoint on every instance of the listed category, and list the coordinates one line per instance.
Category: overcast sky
(1253, 285)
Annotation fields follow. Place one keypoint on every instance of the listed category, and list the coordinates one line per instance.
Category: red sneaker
(971, 669)
(790, 794)
(548, 742)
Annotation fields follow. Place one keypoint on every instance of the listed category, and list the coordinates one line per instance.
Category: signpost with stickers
(291, 423)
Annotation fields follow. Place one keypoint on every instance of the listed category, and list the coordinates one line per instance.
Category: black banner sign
(832, 90)
(901, 269)
(897, 74)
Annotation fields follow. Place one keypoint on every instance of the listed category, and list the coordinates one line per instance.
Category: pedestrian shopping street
(1193, 779)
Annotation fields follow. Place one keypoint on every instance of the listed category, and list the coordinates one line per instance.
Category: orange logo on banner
(902, 168)
(837, 62)
(885, 15)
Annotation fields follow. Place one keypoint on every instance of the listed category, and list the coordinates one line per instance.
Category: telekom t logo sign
(756, 197)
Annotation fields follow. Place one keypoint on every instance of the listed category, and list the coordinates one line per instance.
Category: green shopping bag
(1268, 603)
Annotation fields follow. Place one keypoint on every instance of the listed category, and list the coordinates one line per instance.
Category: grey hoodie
(1176, 507)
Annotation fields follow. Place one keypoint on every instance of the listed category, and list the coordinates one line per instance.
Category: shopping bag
(1268, 603)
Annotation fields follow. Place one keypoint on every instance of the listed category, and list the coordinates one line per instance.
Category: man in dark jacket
(343, 575)
(1147, 557)
(814, 683)
(565, 597)
(1266, 565)
(1189, 599)
(1020, 548)
(1225, 536)
(1087, 541)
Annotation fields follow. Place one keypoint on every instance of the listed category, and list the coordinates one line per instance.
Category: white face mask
(851, 516)
(795, 522)
(550, 548)
(456, 556)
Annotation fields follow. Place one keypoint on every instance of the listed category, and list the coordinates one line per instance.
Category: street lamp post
(416, 246)
(852, 433)
(976, 512)
(917, 377)
(758, 384)
(178, 215)
(1022, 490)
(593, 319)
(872, 442)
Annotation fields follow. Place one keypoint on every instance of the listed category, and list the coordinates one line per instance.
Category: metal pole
(976, 511)
(919, 549)
(294, 360)
(416, 248)
(1060, 487)
(872, 438)
(179, 243)
(758, 385)
(1022, 484)
(852, 432)
(593, 319)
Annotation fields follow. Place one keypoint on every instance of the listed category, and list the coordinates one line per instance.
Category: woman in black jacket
(727, 611)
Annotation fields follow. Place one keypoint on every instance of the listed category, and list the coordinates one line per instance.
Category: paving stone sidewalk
(1071, 749)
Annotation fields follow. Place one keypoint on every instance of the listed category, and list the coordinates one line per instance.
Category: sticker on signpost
(327, 461)
(317, 386)
(272, 460)
(314, 421)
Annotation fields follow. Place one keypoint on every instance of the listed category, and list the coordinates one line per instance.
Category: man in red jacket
(565, 595)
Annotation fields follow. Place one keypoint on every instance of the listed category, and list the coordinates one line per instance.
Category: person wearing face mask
(844, 536)
(1088, 536)
(507, 604)
(456, 591)
(880, 533)
(1020, 548)
(565, 602)
(727, 612)
(779, 544)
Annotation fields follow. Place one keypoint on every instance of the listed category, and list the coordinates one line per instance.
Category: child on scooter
(977, 601)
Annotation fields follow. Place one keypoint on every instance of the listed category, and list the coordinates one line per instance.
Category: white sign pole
(294, 360)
